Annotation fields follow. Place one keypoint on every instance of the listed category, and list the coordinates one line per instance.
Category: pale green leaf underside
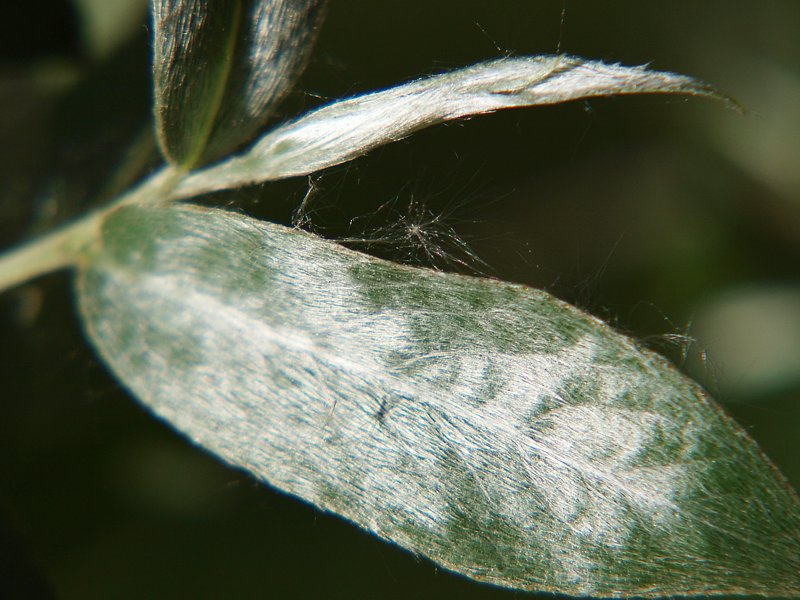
(349, 128)
(488, 426)
(220, 67)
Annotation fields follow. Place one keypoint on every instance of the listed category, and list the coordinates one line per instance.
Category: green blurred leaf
(752, 337)
(220, 67)
(349, 128)
(488, 426)
(107, 24)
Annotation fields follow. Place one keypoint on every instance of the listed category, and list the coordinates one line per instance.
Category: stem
(64, 247)
(51, 252)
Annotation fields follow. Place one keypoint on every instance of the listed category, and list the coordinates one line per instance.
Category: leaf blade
(219, 69)
(349, 128)
(488, 426)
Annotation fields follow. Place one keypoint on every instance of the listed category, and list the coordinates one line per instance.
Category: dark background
(674, 219)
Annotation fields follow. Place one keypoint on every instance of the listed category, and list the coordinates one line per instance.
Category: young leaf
(349, 128)
(488, 426)
(219, 67)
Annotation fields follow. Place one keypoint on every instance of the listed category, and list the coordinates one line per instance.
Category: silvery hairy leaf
(349, 128)
(219, 67)
(485, 425)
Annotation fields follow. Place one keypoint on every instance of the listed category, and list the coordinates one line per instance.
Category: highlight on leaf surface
(488, 426)
(220, 67)
(349, 128)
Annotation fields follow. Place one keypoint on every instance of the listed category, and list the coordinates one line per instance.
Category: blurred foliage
(670, 218)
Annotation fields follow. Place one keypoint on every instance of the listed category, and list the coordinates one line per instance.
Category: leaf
(220, 67)
(106, 24)
(488, 426)
(349, 128)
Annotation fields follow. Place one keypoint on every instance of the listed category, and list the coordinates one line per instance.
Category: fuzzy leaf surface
(220, 67)
(488, 426)
(349, 128)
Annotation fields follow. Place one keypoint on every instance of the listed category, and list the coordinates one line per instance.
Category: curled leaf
(349, 128)
(488, 426)
(220, 67)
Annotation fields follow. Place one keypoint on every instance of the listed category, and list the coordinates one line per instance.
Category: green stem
(52, 252)
(64, 247)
